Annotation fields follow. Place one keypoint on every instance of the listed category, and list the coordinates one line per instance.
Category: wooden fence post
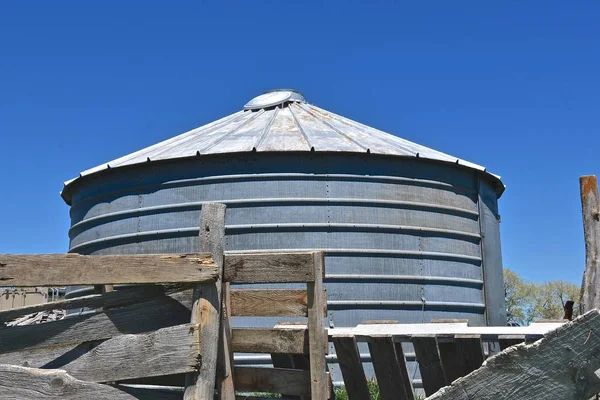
(590, 287)
(206, 306)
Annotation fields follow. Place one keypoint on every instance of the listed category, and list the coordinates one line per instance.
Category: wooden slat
(450, 360)
(167, 351)
(291, 361)
(170, 350)
(117, 298)
(390, 375)
(273, 380)
(206, 306)
(75, 269)
(590, 207)
(404, 374)
(137, 318)
(269, 303)
(560, 366)
(351, 366)
(430, 363)
(225, 362)
(265, 340)
(316, 330)
(269, 267)
(470, 353)
(21, 383)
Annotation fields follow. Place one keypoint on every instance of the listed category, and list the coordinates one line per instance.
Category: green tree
(527, 302)
(519, 297)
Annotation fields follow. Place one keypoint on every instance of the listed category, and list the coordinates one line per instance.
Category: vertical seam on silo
(266, 130)
(300, 128)
(481, 250)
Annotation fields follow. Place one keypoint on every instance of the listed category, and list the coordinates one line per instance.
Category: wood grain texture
(269, 267)
(166, 351)
(269, 302)
(450, 360)
(562, 365)
(206, 306)
(117, 298)
(265, 340)
(316, 329)
(388, 370)
(351, 366)
(430, 363)
(137, 318)
(590, 206)
(470, 353)
(225, 371)
(273, 380)
(21, 383)
(75, 269)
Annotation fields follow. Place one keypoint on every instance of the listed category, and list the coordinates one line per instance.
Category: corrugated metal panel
(290, 126)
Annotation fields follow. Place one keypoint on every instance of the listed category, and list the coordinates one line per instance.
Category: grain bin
(411, 234)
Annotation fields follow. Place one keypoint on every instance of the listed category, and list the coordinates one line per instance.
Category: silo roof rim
(281, 121)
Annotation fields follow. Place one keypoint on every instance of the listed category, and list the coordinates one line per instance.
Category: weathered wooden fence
(175, 320)
(445, 351)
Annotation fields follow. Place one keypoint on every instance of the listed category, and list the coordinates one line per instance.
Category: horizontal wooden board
(166, 351)
(265, 340)
(269, 267)
(117, 298)
(21, 383)
(137, 318)
(272, 380)
(268, 303)
(75, 269)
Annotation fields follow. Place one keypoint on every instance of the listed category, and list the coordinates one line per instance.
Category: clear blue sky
(514, 86)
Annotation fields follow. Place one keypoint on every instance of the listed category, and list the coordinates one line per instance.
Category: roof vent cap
(274, 98)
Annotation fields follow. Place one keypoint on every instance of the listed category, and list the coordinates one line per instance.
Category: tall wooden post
(590, 287)
(206, 306)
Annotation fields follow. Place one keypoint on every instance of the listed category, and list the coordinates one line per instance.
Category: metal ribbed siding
(402, 236)
(396, 231)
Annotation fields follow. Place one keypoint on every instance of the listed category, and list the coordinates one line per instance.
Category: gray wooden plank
(430, 363)
(291, 361)
(387, 369)
(405, 376)
(225, 357)
(120, 297)
(273, 380)
(269, 267)
(136, 318)
(269, 303)
(450, 361)
(316, 329)
(270, 340)
(470, 353)
(590, 293)
(562, 365)
(351, 366)
(206, 306)
(22, 383)
(166, 351)
(75, 269)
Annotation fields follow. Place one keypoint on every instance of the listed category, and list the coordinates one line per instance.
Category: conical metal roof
(277, 121)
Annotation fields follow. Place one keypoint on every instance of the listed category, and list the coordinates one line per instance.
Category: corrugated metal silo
(410, 233)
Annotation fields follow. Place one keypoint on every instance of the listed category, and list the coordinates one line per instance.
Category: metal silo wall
(402, 236)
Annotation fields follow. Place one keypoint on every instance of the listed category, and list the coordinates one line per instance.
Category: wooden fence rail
(173, 320)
